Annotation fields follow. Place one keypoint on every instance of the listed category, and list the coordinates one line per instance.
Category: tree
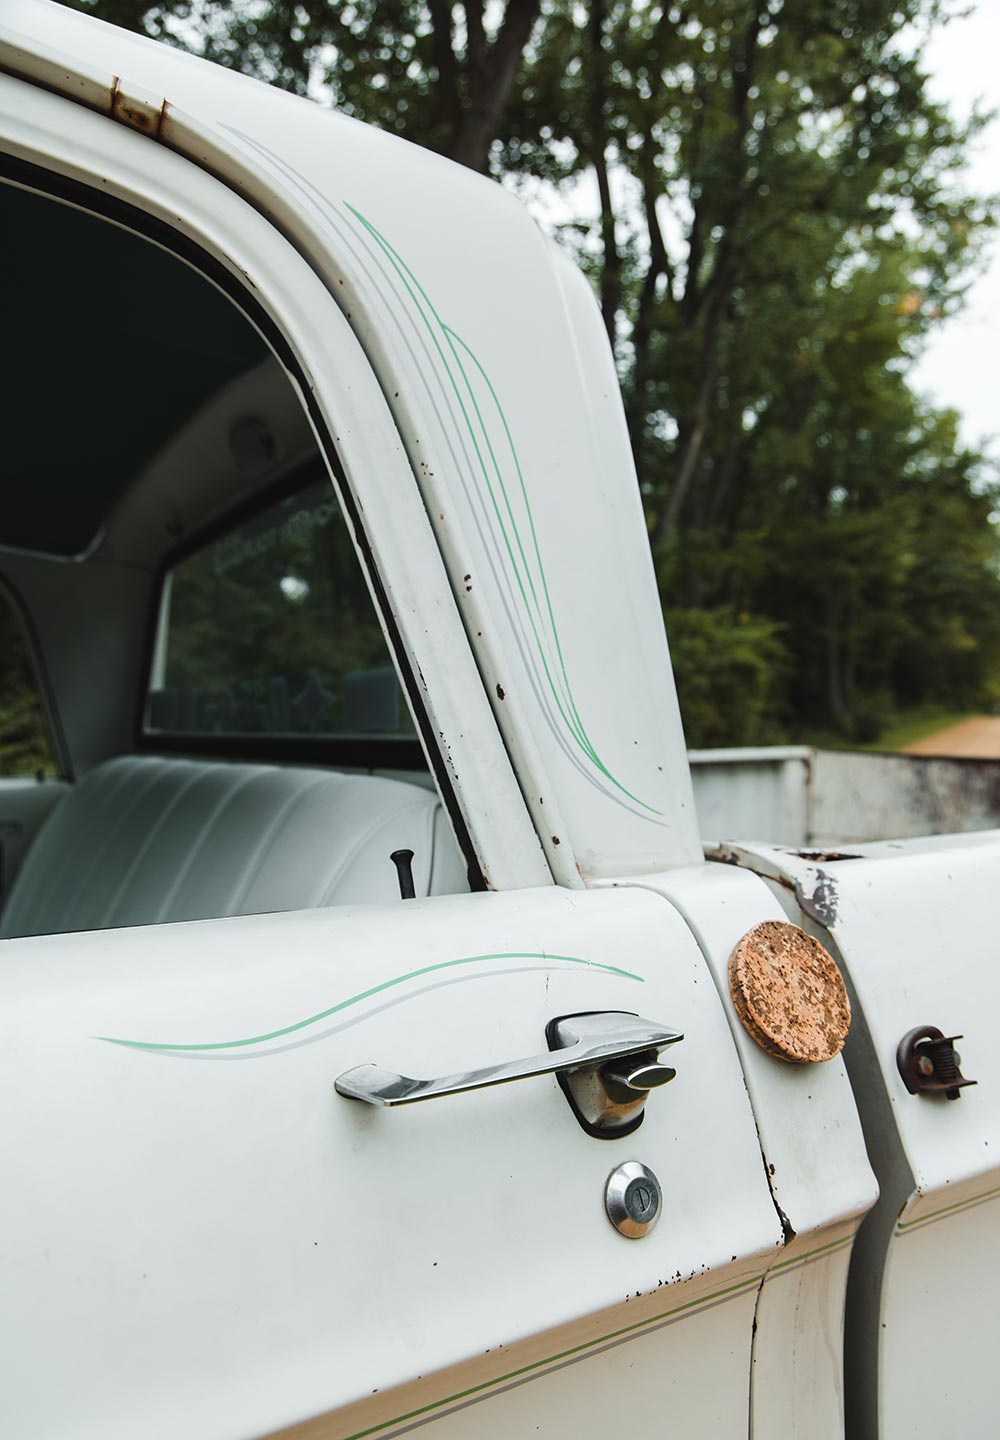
(791, 226)
(780, 221)
(437, 73)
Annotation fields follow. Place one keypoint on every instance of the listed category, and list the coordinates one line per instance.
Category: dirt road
(977, 738)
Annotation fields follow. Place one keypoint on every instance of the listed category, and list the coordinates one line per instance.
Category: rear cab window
(267, 632)
(25, 748)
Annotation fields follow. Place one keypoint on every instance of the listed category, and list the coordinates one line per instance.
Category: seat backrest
(142, 840)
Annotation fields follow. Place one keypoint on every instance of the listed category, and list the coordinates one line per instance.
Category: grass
(906, 727)
(913, 725)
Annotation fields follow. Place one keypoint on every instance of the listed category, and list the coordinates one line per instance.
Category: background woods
(771, 210)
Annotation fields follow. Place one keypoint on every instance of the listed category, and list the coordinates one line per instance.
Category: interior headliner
(125, 339)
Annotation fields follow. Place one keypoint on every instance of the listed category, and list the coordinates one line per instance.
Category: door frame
(88, 160)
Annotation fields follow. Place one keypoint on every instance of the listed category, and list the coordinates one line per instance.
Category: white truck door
(202, 1237)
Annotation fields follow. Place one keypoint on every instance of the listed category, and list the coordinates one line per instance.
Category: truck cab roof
(490, 352)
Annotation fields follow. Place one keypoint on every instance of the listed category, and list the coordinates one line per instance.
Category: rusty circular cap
(789, 993)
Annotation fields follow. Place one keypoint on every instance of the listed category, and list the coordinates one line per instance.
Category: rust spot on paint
(822, 856)
(134, 114)
(821, 904)
(789, 993)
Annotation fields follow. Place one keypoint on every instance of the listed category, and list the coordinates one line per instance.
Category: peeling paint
(138, 114)
(821, 904)
(824, 856)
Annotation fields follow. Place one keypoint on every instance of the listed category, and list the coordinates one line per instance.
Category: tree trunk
(443, 53)
(492, 72)
(708, 304)
(611, 270)
(690, 451)
(637, 399)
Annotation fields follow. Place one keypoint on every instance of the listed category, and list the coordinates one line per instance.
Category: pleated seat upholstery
(142, 840)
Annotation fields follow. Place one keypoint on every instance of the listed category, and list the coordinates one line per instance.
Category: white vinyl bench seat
(143, 840)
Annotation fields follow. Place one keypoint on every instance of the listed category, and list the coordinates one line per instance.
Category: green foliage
(911, 725)
(780, 223)
(433, 73)
(794, 227)
(276, 609)
(24, 747)
(731, 671)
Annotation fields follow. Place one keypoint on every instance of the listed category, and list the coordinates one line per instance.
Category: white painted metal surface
(216, 1244)
(814, 1154)
(753, 791)
(821, 799)
(506, 397)
(208, 1241)
(915, 929)
(856, 798)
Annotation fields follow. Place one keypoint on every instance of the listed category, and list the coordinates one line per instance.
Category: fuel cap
(789, 993)
(633, 1200)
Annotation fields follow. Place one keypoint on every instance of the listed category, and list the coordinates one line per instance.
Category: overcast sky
(960, 367)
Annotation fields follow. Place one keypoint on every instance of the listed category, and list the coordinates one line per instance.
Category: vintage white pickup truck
(320, 517)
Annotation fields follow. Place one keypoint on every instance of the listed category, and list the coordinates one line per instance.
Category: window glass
(24, 743)
(270, 630)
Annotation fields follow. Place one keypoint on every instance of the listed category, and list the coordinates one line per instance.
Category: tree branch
(642, 329)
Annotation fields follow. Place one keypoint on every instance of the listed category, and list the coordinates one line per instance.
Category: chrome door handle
(588, 1054)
